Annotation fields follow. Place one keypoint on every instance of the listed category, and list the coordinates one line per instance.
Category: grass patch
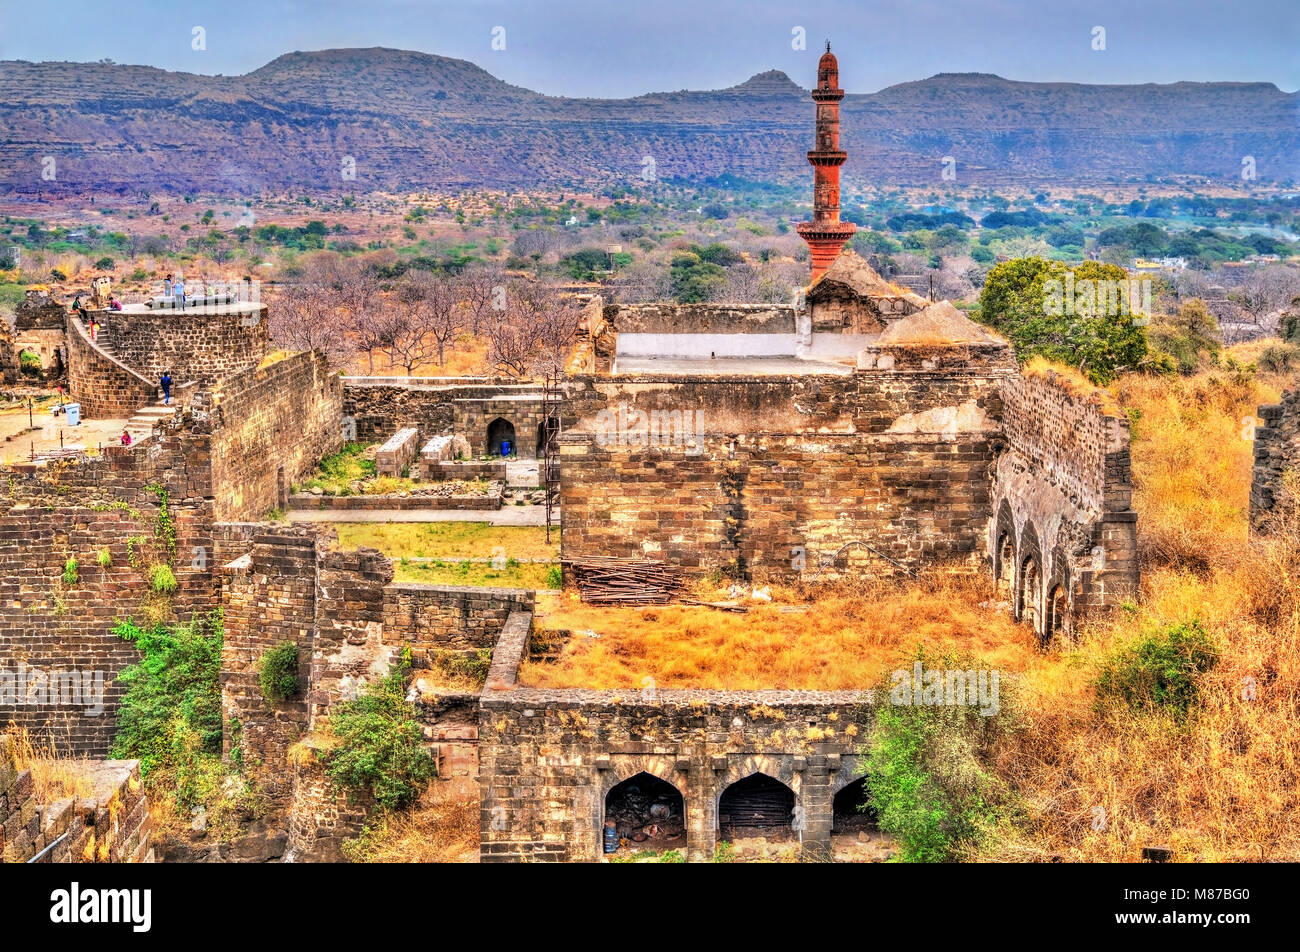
(449, 540)
(475, 574)
(840, 637)
(443, 827)
(338, 471)
(55, 775)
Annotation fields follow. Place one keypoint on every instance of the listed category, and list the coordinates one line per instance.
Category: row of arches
(649, 812)
(1038, 599)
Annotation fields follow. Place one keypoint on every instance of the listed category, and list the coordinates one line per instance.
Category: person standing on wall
(179, 290)
(167, 286)
(166, 382)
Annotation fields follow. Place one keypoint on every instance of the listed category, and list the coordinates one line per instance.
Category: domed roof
(828, 60)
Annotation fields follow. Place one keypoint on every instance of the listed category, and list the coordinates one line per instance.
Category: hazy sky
(626, 47)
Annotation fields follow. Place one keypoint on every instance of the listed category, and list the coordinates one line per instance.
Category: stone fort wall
(104, 386)
(1277, 451)
(896, 458)
(194, 345)
(1063, 538)
(270, 427)
(80, 507)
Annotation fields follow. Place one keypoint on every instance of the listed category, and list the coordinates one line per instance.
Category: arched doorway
(1057, 608)
(851, 811)
(758, 805)
(1030, 586)
(1006, 566)
(647, 813)
(501, 435)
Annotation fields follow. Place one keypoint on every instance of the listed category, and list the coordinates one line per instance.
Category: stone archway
(756, 805)
(1057, 611)
(646, 812)
(850, 808)
(1005, 567)
(500, 435)
(1030, 592)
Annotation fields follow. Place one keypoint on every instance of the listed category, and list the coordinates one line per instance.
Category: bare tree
(480, 289)
(535, 331)
(642, 282)
(1266, 291)
(350, 295)
(301, 320)
(433, 312)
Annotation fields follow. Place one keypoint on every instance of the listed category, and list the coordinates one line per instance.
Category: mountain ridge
(415, 120)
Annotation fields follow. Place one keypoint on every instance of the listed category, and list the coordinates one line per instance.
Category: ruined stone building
(860, 429)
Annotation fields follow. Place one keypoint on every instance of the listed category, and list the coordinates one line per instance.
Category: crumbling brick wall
(1277, 451)
(268, 598)
(77, 509)
(351, 624)
(110, 826)
(1063, 534)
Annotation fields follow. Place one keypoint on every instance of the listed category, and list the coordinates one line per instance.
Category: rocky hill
(417, 121)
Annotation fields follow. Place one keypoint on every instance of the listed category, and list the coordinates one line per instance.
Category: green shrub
(554, 577)
(70, 572)
(170, 717)
(1278, 358)
(104, 558)
(1186, 338)
(1158, 671)
(163, 579)
(278, 672)
(724, 852)
(929, 773)
(380, 744)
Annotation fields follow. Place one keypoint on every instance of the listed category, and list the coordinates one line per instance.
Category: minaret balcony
(827, 157)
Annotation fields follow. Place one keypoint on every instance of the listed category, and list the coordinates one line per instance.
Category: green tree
(1044, 308)
(1187, 335)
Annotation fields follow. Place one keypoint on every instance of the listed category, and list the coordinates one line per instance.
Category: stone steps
(141, 425)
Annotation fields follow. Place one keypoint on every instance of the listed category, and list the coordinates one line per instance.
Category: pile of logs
(608, 581)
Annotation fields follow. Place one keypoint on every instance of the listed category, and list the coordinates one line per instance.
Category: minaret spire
(826, 234)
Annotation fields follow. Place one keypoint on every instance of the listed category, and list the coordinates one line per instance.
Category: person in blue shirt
(166, 382)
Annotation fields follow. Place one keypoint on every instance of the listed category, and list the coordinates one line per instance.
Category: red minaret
(826, 234)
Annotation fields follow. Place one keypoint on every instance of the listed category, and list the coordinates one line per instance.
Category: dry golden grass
(1192, 453)
(1225, 783)
(442, 828)
(841, 637)
(55, 776)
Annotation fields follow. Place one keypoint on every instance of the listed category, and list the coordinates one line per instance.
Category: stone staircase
(141, 425)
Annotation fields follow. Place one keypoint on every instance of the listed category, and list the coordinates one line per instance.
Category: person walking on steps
(166, 382)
